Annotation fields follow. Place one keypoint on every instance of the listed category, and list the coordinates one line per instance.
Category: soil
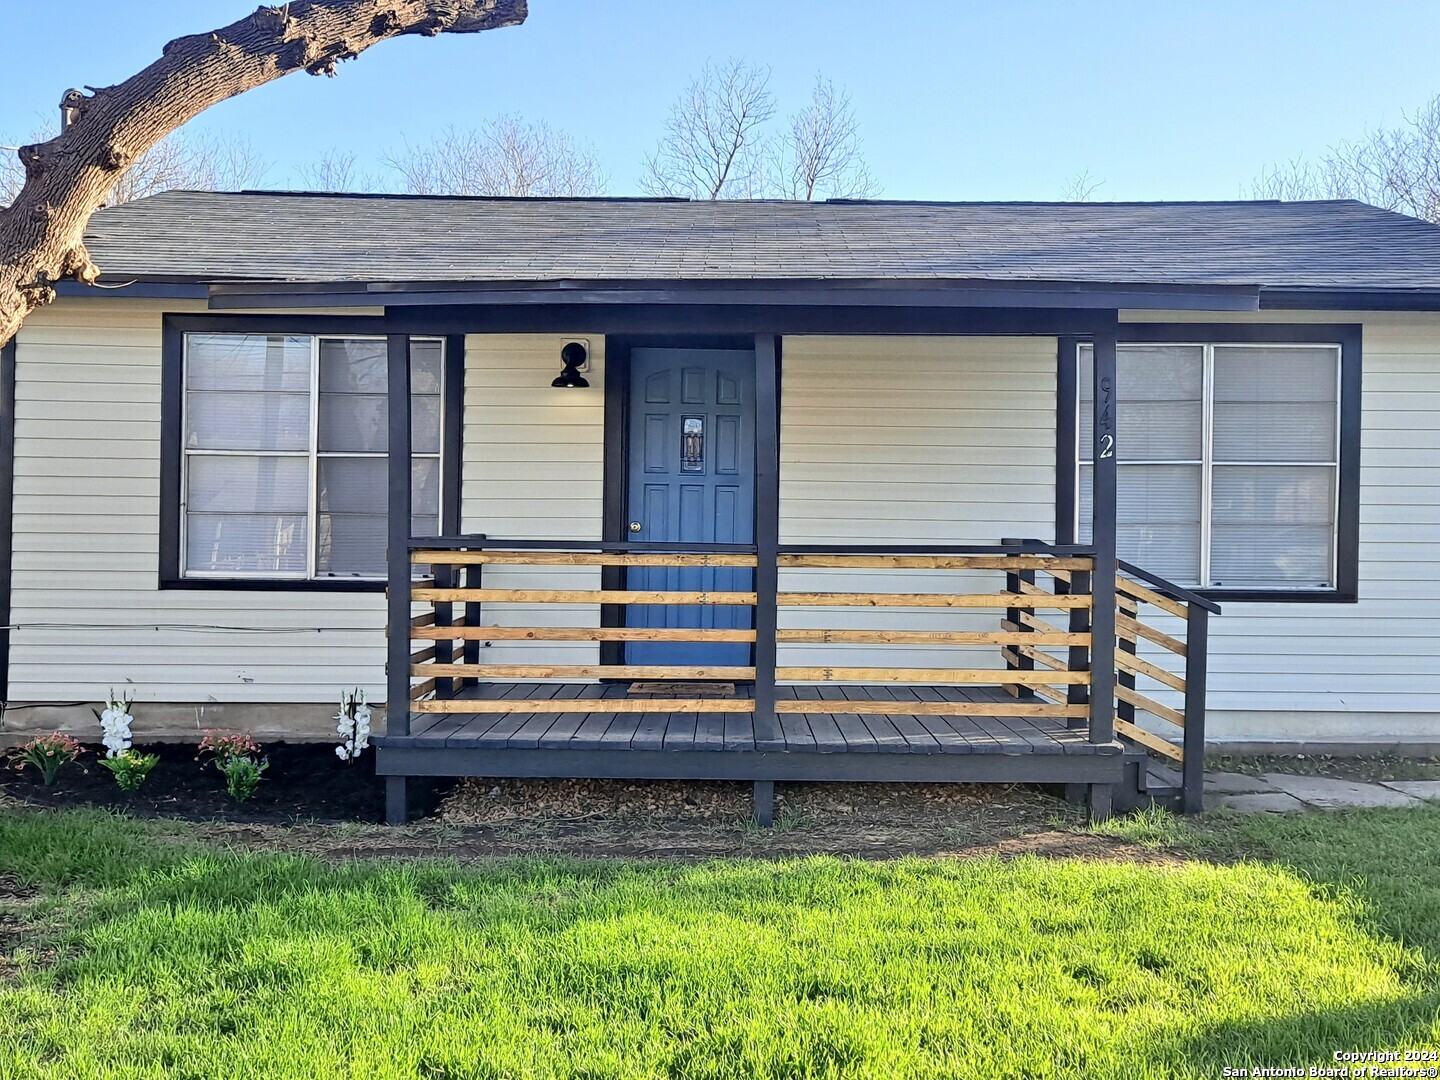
(1365, 769)
(303, 783)
(310, 801)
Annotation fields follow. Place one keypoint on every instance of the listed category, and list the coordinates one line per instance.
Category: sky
(956, 99)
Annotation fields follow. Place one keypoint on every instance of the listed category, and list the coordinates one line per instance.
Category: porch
(1028, 716)
(1014, 661)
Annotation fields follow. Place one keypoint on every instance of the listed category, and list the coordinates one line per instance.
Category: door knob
(635, 526)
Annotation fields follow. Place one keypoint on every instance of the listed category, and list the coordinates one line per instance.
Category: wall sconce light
(573, 356)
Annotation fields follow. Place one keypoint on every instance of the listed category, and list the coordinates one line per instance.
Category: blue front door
(692, 480)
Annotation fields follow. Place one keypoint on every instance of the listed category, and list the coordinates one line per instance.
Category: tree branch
(72, 175)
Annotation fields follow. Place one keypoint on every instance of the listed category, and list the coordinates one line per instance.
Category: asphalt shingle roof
(288, 236)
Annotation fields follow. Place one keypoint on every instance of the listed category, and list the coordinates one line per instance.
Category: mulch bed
(307, 791)
(303, 783)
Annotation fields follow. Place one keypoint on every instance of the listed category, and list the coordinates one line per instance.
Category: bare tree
(108, 129)
(818, 156)
(336, 170)
(507, 156)
(712, 147)
(1080, 187)
(1395, 168)
(194, 163)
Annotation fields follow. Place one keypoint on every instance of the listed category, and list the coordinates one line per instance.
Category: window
(1229, 473)
(283, 470)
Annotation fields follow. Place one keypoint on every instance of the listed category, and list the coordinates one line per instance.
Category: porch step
(1148, 783)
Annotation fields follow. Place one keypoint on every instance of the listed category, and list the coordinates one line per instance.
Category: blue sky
(957, 99)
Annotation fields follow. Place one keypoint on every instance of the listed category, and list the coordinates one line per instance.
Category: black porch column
(767, 534)
(397, 666)
(1102, 617)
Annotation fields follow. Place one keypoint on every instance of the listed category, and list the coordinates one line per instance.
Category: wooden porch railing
(458, 581)
(1042, 596)
(1008, 565)
(1171, 623)
(450, 631)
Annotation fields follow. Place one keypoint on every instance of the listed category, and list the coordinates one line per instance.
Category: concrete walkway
(1282, 793)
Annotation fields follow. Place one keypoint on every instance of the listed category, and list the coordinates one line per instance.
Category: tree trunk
(71, 176)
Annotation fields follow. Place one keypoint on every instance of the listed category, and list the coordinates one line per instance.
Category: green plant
(237, 757)
(130, 768)
(48, 754)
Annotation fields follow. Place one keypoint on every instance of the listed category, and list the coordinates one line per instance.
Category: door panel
(692, 480)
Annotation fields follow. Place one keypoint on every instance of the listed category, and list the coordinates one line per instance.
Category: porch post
(1102, 616)
(397, 667)
(767, 534)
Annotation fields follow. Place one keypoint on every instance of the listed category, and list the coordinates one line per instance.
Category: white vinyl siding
(909, 440)
(534, 461)
(85, 599)
(885, 440)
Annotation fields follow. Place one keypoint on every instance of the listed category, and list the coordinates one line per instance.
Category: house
(756, 490)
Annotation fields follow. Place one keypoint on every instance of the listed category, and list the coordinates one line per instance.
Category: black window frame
(1350, 338)
(174, 327)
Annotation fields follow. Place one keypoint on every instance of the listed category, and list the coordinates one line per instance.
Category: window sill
(352, 585)
(1279, 596)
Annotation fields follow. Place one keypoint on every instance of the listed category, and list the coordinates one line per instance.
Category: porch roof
(395, 243)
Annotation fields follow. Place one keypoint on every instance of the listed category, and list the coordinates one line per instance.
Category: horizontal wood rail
(1134, 633)
(932, 708)
(572, 558)
(583, 633)
(932, 600)
(933, 562)
(585, 705)
(977, 676)
(929, 637)
(794, 637)
(581, 671)
(579, 596)
(1045, 685)
(1150, 705)
(1135, 666)
(1132, 630)
(1150, 740)
(1170, 589)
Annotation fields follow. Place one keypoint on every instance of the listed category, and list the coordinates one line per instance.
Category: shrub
(48, 754)
(237, 757)
(130, 768)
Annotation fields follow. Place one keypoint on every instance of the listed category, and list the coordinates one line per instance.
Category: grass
(146, 955)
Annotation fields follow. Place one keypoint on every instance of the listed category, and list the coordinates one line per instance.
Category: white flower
(352, 725)
(115, 721)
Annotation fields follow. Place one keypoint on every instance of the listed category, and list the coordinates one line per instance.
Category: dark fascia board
(137, 290)
(652, 319)
(774, 293)
(236, 294)
(1292, 299)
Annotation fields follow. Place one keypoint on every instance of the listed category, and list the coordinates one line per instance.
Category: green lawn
(144, 955)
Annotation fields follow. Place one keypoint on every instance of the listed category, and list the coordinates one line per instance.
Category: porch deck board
(734, 732)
